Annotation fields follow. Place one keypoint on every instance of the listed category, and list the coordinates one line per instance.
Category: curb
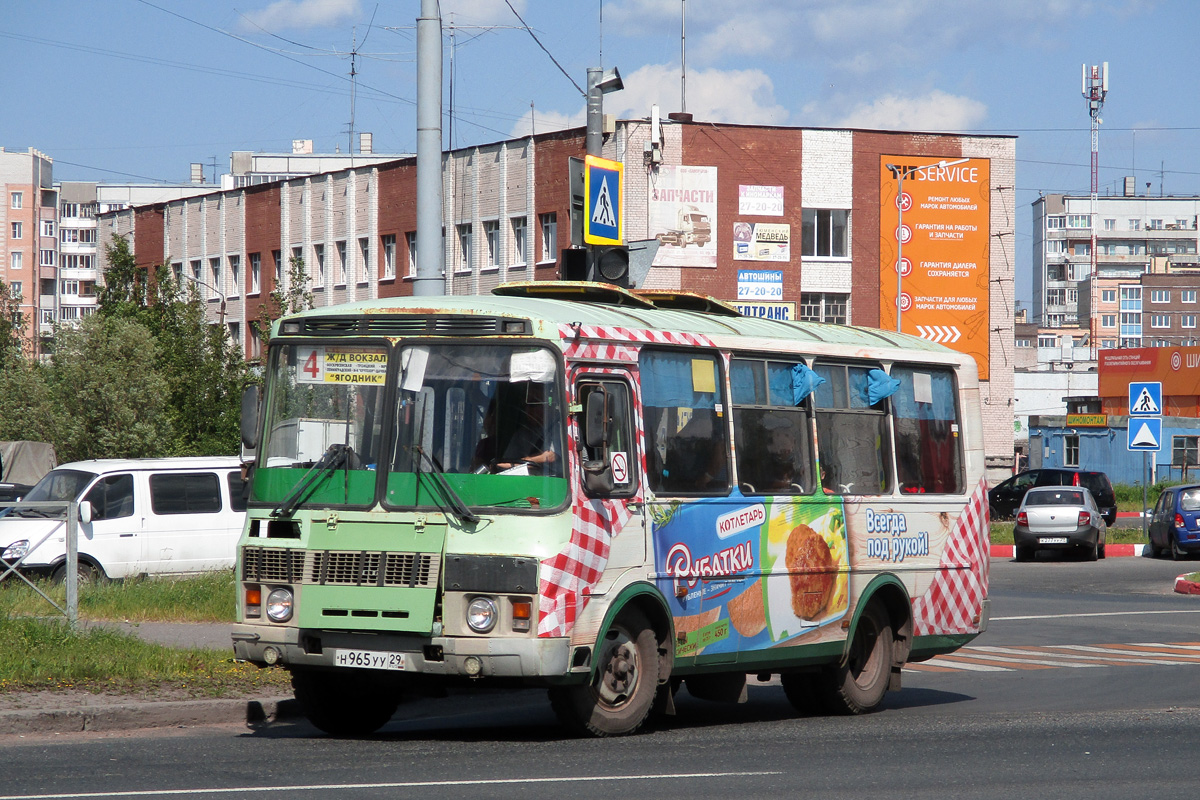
(1009, 551)
(162, 714)
(1184, 586)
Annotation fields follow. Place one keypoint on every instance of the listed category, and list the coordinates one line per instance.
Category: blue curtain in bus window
(880, 385)
(928, 442)
(667, 380)
(746, 383)
(804, 382)
(831, 390)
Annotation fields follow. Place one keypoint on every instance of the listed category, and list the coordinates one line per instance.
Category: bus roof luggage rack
(580, 291)
(688, 301)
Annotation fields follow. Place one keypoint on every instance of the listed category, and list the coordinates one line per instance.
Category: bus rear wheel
(619, 698)
(343, 704)
(858, 684)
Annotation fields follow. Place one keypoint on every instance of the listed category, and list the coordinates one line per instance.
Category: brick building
(809, 212)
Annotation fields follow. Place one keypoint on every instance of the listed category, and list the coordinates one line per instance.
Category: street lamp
(213, 289)
(900, 173)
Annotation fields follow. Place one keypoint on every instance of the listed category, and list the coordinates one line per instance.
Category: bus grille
(374, 569)
(339, 567)
(273, 564)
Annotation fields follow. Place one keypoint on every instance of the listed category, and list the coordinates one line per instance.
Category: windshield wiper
(451, 501)
(337, 455)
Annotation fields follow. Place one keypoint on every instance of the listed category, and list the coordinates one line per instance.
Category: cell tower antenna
(1094, 86)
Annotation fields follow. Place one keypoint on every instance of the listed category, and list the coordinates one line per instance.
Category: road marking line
(1096, 614)
(992, 658)
(390, 785)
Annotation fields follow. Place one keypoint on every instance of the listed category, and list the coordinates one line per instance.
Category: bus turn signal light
(522, 612)
(253, 601)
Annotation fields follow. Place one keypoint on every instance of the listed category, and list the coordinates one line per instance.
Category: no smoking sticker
(620, 468)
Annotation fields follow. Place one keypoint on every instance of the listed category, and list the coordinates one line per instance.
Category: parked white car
(137, 517)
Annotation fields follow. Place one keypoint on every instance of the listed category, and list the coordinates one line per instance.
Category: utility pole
(1094, 87)
(429, 279)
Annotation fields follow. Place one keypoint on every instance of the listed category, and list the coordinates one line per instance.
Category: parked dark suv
(1005, 498)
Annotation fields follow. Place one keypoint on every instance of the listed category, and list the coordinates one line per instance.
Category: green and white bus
(604, 493)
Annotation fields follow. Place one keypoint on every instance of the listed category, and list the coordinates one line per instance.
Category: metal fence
(66, 514)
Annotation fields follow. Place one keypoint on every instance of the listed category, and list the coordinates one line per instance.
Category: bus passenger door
(609, 459)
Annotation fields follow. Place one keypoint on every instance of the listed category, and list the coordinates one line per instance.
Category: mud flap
(727, 687)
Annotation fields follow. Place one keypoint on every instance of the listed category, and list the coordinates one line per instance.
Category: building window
(196, 273)
(823, 232)
(462, 260)
(549, 226)
(1131, 298)
(319, 257)
(235, 275)
(389, 255)
(15, 288)
(255, 273)
(1056, 297)
(1072, 296)
(1187, 320)
(364, 253)
(87, 235)
(47, 316)
(342, 277)
(18, 230)
(17, 199)
(1185, 451)
(277, 259)
(16, 260)
(1056, 246)
(1056, 223)
(1071, 450)
(47, 258)
(214, 266)
(48, 227)
(1047, 341)
(491, 233)
(410, 240)
(1160, 320)
(1154, 225)
(823, 307)
(1187, 295)
(1135, 224)
(69, 287)
(1108, 320)
(1110, 224)
(1108, 295)
(519, 255)
(1108, 344)
(1081, 249)
(1160, 295)
(1079, 220)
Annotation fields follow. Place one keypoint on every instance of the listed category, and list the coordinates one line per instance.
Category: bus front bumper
(448, 656)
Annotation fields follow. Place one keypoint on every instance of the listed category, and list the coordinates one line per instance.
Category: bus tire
(858, 684)
(344, 704)
(618, 699)
(804, 691)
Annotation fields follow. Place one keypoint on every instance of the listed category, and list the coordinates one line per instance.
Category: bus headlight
(16, 550)
(279, 605)
(482, 614)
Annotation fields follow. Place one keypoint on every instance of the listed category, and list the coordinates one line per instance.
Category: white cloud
(482, 12)
(713, 95)
(535, 121)
(935, 111)
(301, 14)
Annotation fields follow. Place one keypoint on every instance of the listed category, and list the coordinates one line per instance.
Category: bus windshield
(487, 419)
(471, 424)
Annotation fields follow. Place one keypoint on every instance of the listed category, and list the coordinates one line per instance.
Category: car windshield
(60, 484)
(1059, 498)
(1189, 499)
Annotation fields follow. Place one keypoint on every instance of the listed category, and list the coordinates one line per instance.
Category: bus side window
(687, 449)
(853, 440)
(928, 434)
(609, 465)
(771, 426)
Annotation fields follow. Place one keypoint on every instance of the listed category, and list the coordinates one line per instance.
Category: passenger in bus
(696, 457)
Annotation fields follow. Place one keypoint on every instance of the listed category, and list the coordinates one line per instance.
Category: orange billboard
(1177, 368)
(934, 246)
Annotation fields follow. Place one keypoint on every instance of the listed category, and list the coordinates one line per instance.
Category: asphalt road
(1083, 686)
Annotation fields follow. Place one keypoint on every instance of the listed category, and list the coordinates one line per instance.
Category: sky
(137, 90)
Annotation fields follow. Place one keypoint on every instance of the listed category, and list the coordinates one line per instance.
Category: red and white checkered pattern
(594, 336)
(955, 599)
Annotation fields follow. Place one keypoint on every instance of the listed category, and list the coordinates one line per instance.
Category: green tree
(110, 395)
(12, 327)
(28, 403)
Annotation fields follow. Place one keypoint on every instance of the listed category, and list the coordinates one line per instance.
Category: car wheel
(1023, 553)
(88, 574)
(1155, 550)
(1177, 553)
(1093, 552)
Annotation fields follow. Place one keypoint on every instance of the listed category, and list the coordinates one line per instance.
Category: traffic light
(610, 264)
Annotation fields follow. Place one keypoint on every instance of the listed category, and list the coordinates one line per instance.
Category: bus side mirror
(595, 433)
(250, 403)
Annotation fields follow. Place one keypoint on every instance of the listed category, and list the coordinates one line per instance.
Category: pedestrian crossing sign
(1145, 399)
(602, 188)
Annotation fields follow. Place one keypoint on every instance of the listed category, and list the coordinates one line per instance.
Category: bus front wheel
(621, 693)
(344, 704)
(857, 685)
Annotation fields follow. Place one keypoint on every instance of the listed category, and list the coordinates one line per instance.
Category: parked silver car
(1059, 518)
